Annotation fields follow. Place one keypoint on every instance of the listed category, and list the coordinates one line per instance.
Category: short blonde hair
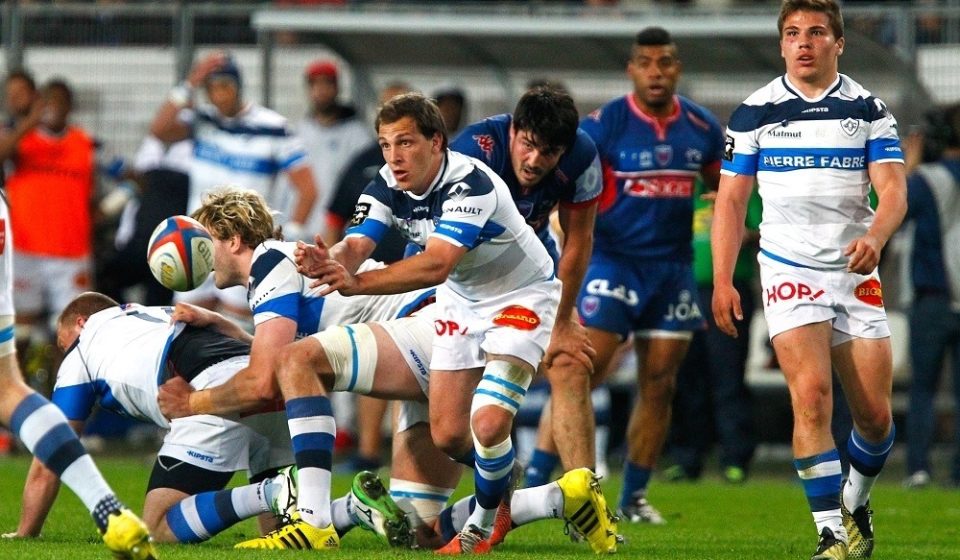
(231, 210)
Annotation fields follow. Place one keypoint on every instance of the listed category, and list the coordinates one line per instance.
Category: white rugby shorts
(794, 296)
(517, 324)
(48, 282)
(256, 442)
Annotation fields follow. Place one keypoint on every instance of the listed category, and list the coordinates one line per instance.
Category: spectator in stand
(453, 108)
(712, 397)
(51, 189)
(235, 142)
(333, 133)
(161, 178)
(933, 197)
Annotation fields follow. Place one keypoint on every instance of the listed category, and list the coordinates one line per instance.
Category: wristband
(181, 95)
(293, 231)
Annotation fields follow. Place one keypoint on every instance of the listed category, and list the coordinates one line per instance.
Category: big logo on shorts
(870, 292)
(518, 317)
(790, 290)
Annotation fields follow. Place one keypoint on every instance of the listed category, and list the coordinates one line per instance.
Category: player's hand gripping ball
(180, 253)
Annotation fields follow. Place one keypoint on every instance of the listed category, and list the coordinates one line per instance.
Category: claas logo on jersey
(485, 143)
(518, 317)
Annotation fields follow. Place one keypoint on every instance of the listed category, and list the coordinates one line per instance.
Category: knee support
(503, 384)
(352, 352)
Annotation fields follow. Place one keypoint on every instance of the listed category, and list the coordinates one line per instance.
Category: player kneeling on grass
(116, 355)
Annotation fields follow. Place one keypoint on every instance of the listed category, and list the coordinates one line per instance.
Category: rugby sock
(421, 502)
(635, 480)
(541, 466)
(454, 518)
(820, 475)
(342, 515)
(43, 429)
(866, 462)
(201, 516)
(313, 432)
(533, 504)
(528, 505)
(491, 480)
(600, 397)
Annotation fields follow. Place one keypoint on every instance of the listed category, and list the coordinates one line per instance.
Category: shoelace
(469, 538)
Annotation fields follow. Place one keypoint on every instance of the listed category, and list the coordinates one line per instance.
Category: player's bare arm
(166, 125)
(889, 180)
(39, 492)
(569, 337)
(307, 192)
(201, 317)
(248, 390)
(426, 269)
(730, 210)
(10, 139)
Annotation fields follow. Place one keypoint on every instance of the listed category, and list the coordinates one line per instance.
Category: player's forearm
(165, 125)
(891, 210)
(307, 192)
(414, 273)
(350, 253)
(726, 237)
(570, 270)
(39, 492)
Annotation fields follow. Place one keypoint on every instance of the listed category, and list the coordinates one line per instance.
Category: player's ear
(840, 43)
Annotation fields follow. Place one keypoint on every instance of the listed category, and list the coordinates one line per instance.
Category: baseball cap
(321, 69)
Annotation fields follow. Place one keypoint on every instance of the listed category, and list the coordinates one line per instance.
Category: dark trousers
(712, 398)
(934, 332)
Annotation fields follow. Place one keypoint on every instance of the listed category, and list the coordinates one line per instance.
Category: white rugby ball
(180, 253)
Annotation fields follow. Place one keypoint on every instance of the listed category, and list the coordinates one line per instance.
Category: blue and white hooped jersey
(276, 289)
(810, 158)
(467, 205)
(117, 361)
(574, 182)
(249, 150)
(650, 166)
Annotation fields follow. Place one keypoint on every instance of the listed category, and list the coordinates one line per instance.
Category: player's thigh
(865, 367)
(804, 356)
(451, 394)
(606, 344)
(171, 481)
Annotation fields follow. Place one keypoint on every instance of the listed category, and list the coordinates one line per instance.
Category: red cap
(321, 69)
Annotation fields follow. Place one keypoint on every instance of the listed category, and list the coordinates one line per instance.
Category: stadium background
(122, 58)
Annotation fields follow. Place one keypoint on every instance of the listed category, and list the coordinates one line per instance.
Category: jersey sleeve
(883, 144)
(474, 141)
(74, 393)
(465, 220)
(593, 125)
(741, 151)
(276, 289)
(372, 216)
(587, 186)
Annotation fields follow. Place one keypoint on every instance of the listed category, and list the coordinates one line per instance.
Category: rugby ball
(180, 253)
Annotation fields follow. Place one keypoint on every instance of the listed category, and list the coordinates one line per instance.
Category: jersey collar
(796, 91)
(659, 125)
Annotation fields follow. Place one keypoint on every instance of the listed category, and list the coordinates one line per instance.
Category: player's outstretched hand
(726, 309)
(311, 258)
(174, 398)
(203, 68)
(864, 253)
(337, 279)
(569, 338)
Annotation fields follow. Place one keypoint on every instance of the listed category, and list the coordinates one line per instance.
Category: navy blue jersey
(649, 169)
(575, 181)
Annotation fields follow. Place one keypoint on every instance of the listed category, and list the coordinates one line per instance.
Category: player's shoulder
(270, 255)
(873, 107)
(468, 176)
(580, 155)
(613, 110)
(761, 107)
(486, 139)
(697, 114)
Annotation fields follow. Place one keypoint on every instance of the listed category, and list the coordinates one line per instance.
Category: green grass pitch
(766, 518)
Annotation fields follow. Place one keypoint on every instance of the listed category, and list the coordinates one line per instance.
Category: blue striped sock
(866, 462)
(491, 480)
(313, 431)
(43, 429)
(197, 518)
(541, 466)
(821, 476)
(635, 481)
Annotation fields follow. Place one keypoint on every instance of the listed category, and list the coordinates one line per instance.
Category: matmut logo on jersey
(661, 185)
(485, 143)
(869, 292)
(518, 317)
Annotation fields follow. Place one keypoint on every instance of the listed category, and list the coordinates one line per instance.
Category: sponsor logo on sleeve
(517, 317)
(360, 213)
(728, 145)
(870, 292)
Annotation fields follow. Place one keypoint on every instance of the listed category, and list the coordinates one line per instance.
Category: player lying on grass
(115, 356)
